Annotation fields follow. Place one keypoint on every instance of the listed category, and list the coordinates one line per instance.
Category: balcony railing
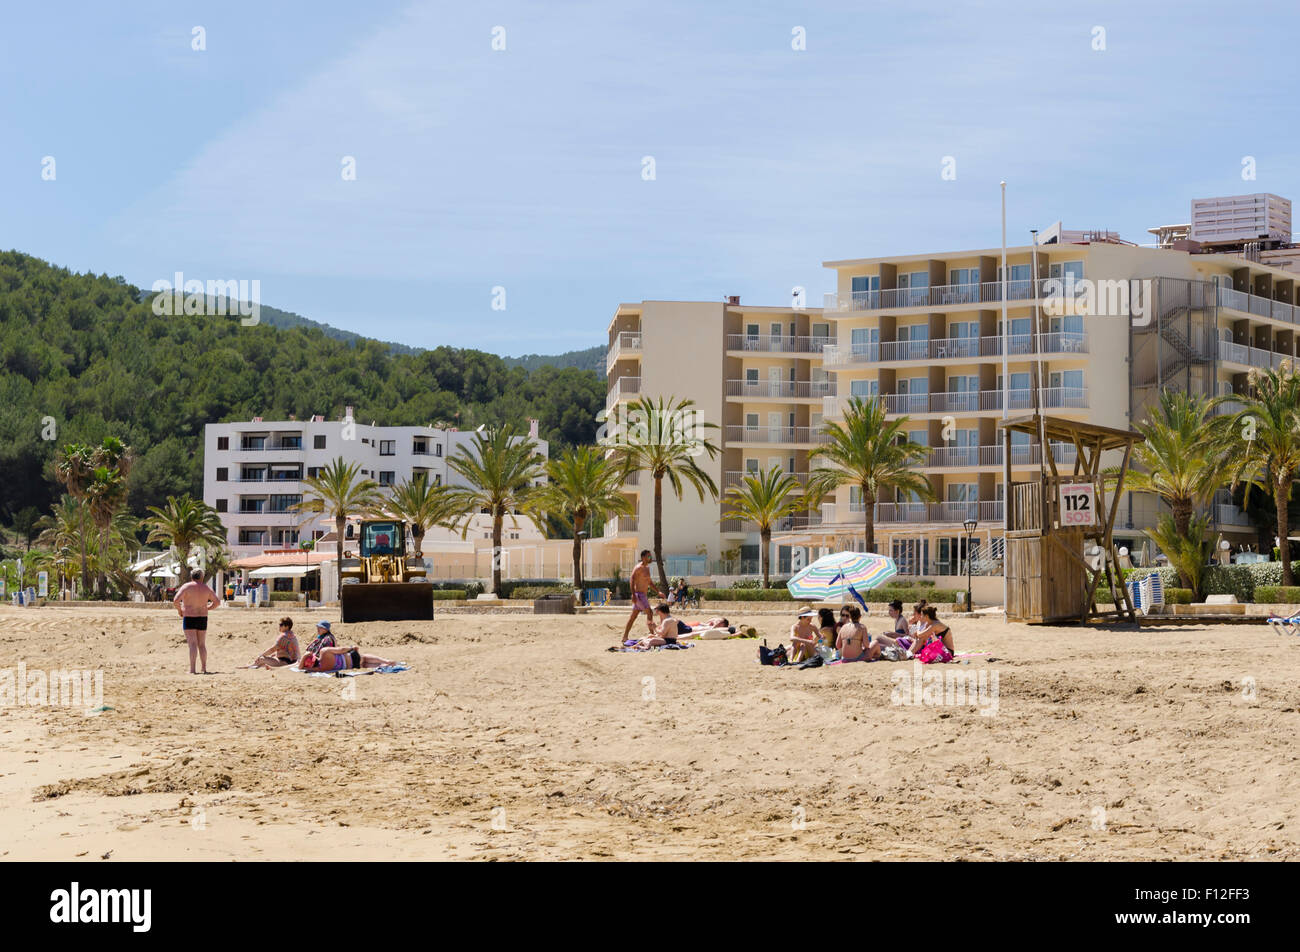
(1259, 306)
(985, 511)
(627, 342)
(781, 389)
(735, 477)
(775, 434)
(976, 401)
(938, 296)
(1251, 356)
(971, 457)
(624, 388)
(777, 343)
(955, 348)
(1227, 514)
(621, 524)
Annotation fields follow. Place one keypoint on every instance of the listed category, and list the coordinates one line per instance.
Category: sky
(611, 151)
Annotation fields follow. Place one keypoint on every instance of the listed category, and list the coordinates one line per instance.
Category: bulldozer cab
(382, 538)
(381, 584)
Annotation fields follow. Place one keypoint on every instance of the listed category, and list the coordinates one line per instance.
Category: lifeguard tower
(1058, 526)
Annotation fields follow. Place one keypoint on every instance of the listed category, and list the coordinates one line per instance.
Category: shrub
(1278, 594)
(879, 595)
(528, 592)
(448, 594)
(1178, 596)
(285, 596)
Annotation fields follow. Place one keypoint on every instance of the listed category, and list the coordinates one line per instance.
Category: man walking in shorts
(641, 588)
(192, 601)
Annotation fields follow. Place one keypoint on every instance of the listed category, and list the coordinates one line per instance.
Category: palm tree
(500, 468)
(663, 437)
(1266, 443)
(105, 497)
(583, 485)
(421, 505)
(183, 524)
(764, 498)
(337, 491)
(73, 466)
(68, 528)
(1181, 457)
(1188, 550)
(870, 452)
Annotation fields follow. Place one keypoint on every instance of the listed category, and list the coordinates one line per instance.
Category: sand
(521, 737)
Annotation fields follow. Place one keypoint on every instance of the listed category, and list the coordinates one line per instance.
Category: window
(751, 421)
(437, 479)
(253, 537)
(964, 276)
(919, 437)
(387, 477)
(223, 474)
(318, 442)
(751, 377)
(437, 449)
(291, 442)
(221, 505)
(865, 342)
(313, 472)
(223, 442)
(866, 291)
(963, 492)
(1066, 270)
(420, 446)
(914, 288)
(913, 342)
(253, 443)
(864, 388)
(283, 503)
(387, 447)
(252, 505)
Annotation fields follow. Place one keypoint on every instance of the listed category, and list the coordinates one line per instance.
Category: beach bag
(934, 653)
(772, 656)
(814, 662)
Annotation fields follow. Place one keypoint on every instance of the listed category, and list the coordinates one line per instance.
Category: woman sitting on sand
(934, 640)
(340, 659)
(902, 638)
(829, 631)
(283, 652)
(854, 643)
(804, 637)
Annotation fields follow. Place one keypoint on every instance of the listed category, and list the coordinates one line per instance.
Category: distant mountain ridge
(591, 358)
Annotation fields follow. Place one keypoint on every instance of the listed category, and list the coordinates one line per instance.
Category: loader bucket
(386, 601)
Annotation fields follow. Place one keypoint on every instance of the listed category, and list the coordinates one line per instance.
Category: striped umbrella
(831, 576)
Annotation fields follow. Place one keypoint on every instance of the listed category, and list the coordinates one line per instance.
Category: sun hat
(323, 624)
(809, 613)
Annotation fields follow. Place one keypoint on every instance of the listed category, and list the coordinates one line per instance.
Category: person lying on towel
(341, 659)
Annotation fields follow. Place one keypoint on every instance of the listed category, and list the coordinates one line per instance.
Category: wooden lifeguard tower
(1052, 570)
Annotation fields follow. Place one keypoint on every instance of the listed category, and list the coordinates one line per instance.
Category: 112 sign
(1078, 504)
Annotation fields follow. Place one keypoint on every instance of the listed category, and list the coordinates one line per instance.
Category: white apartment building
(253, 474)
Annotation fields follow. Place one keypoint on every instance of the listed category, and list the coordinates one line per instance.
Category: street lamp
(970, 525)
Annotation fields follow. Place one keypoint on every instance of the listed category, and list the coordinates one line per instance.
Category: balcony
(938, 296)
(974, 457)
(1226, 514)
(955, 349)
(624, 388)
(735, 477)
(621, 525)
(780, 389)
(982, 401)
(774, 435)
(626, 344)
(1251, 356)
(777, 344)
(985, 511)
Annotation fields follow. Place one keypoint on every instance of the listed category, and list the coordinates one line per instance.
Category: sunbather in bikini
(341, 659)
(854, 642)
(804, 637)
(902, 637)
(934, 632)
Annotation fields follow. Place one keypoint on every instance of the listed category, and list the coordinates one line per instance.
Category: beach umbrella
(831, 576)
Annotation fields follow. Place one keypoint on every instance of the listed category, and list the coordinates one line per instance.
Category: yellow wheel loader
(383, 583)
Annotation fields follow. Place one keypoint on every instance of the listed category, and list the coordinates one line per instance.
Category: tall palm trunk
(765, 555)
(1281, 496)
(659, 535)
(496, 552)
(85, 566)
(103, 560)
(417, 536)
(1182, 512)
(579, 520)
(869, 518)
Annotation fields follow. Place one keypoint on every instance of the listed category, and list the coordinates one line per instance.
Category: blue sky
(522, 168)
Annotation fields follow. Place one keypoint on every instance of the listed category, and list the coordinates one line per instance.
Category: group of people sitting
(323, 654)
(667, 630)
(922, 636)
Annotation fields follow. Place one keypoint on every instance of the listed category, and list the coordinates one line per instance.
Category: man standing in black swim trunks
(192, 602)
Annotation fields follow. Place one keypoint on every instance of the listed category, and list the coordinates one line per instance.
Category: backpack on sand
(773, 656)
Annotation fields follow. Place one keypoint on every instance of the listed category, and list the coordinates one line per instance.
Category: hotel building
(1105, 323)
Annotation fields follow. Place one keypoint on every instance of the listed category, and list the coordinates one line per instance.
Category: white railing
(1261, 306)
(938, 296)
(777, 343)
(624, 388)
(735, 477)
(970, 457)
(775, 434)
(627, 342)
(784, 389)
(984, 511)
(955, 348)
(1227, 514)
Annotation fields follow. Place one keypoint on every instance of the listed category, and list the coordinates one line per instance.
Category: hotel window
(751, 377)
(963, 492)
(1066, 270)
(221, 505)
(915, 287)
(437, 449)
(223, 442)
(914, 342)
(964, 276)
(919, 437)
(318, 442)
(420, 446)
(387, 477)
(865, 342)
(864, 388)
(223, 474)
(387, 447)
(1019, 272)
(313, 472)
(751, 466)
(751, 421)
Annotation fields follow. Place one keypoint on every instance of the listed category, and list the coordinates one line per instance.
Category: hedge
(1238, 580)
(537, 591)
(1278, 594)
(888, 594)
(448, 594)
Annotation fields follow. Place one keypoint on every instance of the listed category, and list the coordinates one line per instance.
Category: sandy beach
(521, 737)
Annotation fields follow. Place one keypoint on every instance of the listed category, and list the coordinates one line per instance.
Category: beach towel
(631, 647)
(395, 668)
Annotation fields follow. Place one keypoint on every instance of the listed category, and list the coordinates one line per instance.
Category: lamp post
(970, 525)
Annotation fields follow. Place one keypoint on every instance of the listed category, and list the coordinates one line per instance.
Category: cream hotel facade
(1211, 299)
